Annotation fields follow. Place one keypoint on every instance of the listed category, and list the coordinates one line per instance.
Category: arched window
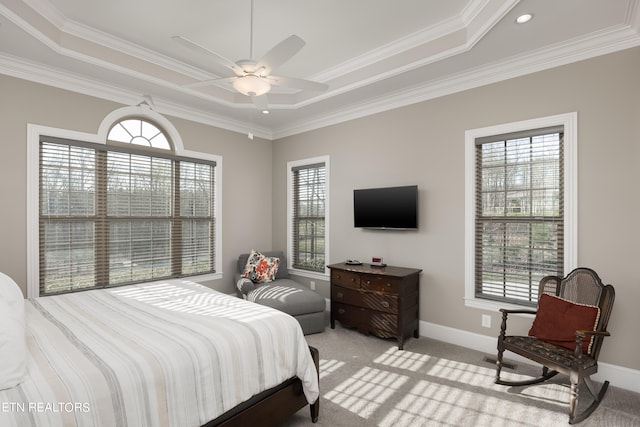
(127, 210)
(139, 132)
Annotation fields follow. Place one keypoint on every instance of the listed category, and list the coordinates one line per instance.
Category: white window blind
(519, 224)
(113, 216)
(308, 222)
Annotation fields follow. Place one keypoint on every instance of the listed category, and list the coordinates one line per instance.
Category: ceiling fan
(253, 77)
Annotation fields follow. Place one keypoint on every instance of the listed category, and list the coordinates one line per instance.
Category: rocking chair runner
(579, 361)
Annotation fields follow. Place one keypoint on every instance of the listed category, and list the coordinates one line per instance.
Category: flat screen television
(393, 208)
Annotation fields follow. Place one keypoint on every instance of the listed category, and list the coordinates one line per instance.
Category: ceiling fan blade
(280, 54)
(211, 82)
(218, 58)
(296, 83)
(261, 102)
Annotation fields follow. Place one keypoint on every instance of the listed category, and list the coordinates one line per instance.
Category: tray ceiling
(373, 55)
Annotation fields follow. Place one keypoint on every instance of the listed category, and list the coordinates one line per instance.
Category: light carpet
(367, 381)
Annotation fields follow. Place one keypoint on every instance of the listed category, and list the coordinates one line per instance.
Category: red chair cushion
(557, 321)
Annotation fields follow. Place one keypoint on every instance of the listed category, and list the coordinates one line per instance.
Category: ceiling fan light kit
(251, 85)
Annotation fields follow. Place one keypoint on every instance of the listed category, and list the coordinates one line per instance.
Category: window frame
(569, 122)
(34, 134)
(290, 209)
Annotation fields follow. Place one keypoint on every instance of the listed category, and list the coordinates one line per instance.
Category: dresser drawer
(383, 325)
(345, 278)
(379, 301)
(381, 283)
(351, 315)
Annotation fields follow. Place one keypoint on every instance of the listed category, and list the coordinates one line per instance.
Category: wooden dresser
(382, 301)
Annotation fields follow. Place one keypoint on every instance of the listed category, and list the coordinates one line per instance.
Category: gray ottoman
(284, 294)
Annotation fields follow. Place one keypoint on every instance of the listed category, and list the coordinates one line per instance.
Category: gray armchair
(283, 294)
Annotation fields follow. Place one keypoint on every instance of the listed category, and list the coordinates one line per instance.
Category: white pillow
(13, 346)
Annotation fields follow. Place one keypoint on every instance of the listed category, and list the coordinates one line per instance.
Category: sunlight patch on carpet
(403, 359)
(429, 403)
(463, 372)
(328, 367)
(366, 390)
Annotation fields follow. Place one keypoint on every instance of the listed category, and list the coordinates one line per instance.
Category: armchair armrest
(593, 333)
(580, 335)
(505, 312)
(518, 311)
(245, 286)
(236, 276)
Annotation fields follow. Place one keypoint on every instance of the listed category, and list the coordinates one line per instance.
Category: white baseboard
(618, 376)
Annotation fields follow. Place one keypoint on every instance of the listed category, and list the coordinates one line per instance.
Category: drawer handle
(339, 295)
(368, 282)
(341, 311)
(385, 304)
(388, 285)
(353, 280)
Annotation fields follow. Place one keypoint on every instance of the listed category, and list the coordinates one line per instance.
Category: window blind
(519, 213)
(308, 220)
(113, 216)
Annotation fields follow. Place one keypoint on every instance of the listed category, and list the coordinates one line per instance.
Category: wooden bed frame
(273, 406)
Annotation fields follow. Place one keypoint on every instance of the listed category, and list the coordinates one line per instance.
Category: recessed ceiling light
(265, 111)
(524, 18)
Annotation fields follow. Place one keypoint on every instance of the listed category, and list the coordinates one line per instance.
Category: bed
(159, 355)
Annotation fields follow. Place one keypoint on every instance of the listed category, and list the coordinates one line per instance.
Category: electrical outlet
(312, 285)
(486, 321)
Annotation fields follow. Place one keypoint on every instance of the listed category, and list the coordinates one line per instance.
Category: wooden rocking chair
(564, 303)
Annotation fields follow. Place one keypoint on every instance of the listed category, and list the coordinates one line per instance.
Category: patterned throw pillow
(260, 268)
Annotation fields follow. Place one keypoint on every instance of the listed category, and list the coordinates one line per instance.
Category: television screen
(386, 208)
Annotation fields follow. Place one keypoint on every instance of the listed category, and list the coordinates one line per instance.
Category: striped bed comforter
(151, 355)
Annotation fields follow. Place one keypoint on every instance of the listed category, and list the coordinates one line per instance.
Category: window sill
(199, 279)
(204, 277)
(493, 305)
(309, 274)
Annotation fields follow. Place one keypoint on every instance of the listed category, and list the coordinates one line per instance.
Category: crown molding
(38, 73)
(597, 44)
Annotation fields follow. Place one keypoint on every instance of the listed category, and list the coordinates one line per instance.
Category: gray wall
(423, 144)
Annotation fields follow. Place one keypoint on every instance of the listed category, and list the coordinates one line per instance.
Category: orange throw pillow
(557, 321)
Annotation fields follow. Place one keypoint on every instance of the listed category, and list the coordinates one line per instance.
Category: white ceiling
(373, 54)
